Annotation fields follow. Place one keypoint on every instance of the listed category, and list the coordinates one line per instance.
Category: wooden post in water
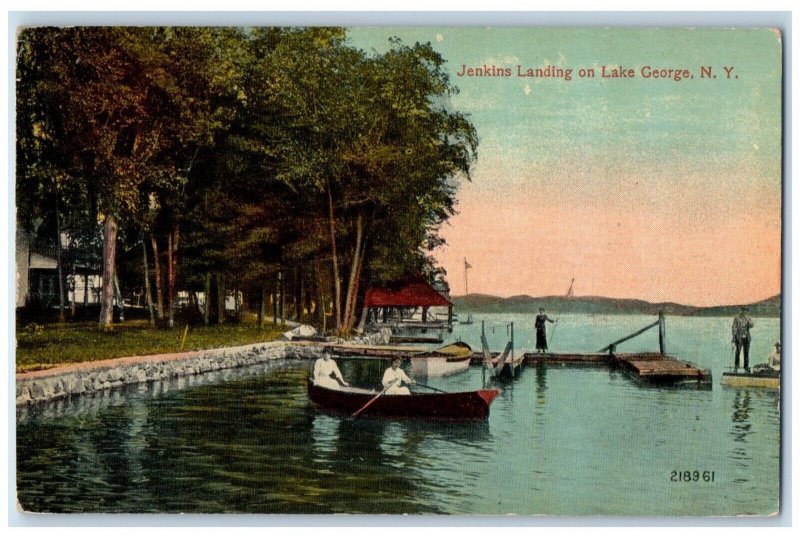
(512, 344)
(662, 333)
(483, 338)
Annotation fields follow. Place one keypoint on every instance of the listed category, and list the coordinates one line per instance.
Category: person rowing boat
(394, 376)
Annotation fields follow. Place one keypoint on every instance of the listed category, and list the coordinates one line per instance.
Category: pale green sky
(695, 159)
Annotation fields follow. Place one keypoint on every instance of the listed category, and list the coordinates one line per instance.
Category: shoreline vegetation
(523, 304)
(48, 345)
(41, 347)
(181, 169)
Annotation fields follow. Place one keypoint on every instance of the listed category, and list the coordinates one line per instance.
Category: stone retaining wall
(90, 377)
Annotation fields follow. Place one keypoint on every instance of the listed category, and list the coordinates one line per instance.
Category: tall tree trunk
(207, 303)
(282, 288)
(86, 289)
(119, 298)
(148, 296)
(337, 286)
(351, 285)
(320, 310)
(74, 303)
(157, 271)
(262, 305)
(220, 299)
(170, 312)
(109, 257)
(172, 269)
(356, 287)
(298, 307)
(302, 297)
(59, 265)
(196, 304)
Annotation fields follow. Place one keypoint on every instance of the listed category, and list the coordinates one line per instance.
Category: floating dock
(763, 380)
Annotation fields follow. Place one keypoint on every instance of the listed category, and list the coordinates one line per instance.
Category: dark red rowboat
(471, 405)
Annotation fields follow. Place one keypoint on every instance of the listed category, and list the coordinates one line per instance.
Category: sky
(636, 187)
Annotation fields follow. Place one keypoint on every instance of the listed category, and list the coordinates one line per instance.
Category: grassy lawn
(52, 344)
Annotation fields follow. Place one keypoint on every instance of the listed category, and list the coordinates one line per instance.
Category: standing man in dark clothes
(541, 331)
(740, 338)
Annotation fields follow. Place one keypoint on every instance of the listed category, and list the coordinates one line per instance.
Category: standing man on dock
(740, 338)
(541, 331)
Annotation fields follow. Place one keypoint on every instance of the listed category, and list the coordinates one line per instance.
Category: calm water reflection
(560, 440)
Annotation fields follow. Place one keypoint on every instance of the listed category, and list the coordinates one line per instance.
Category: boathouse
(410, 306)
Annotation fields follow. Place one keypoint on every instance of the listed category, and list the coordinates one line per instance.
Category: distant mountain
(476, 302)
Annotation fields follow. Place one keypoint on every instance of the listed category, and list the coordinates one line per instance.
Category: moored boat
(766, 379)
(448, 360)
(470, 405)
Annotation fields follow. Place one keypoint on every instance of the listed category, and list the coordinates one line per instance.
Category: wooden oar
(432, 388)
(354, 415)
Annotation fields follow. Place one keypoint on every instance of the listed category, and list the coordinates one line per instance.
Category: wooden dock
(647, 368)
(415, 339)
(364, 350)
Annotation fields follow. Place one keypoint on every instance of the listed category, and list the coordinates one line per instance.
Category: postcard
(491, 271)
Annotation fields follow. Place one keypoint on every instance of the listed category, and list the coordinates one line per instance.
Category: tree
(124, 107)
(277, 157)
(402, 165)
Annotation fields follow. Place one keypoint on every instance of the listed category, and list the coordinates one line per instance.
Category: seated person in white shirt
(774, 359)
(394, 376)
(327, 374)
(773, 363)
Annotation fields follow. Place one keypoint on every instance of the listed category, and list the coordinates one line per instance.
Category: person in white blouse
(774, 359)
(327, 374)
(394, 376)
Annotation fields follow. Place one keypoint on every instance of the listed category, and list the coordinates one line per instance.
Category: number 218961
(691, 476)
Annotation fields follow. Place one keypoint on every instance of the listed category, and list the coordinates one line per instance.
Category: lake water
(559, 441)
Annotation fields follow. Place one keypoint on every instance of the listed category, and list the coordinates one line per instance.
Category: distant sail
(570, 293)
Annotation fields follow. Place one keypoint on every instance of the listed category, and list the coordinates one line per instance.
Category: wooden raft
(662, 370)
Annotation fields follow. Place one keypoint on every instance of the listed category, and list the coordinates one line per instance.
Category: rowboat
(447, 360)
(765, 379)
(472, 405)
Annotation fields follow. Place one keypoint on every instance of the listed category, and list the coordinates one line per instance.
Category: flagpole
(466, 282)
